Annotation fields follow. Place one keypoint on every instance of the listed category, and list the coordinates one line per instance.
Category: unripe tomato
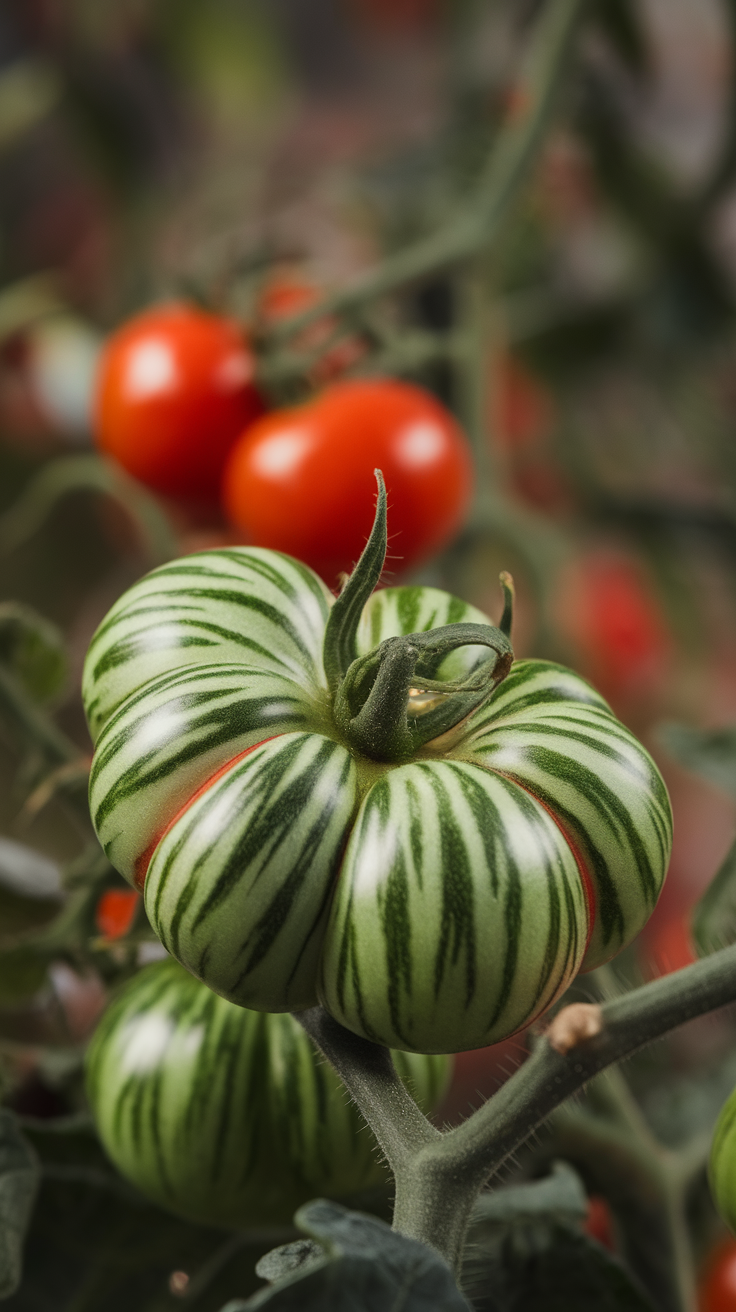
(718, 1290)
(722, 1168)
(436, 887)
(224, 1115)
(301, 480)
(174, 391)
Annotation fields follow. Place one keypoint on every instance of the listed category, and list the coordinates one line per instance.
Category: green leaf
(33, 649)
(553, 1268)
(710, 753)
(527, 1251)
(19, 1173)
(287, 1259)
(560, 1195)
(714, 918)
(363, 1266)
(95, 1243)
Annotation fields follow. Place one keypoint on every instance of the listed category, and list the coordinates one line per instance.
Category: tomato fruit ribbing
(174, 391)
(229, 1116)
(300, 480)
(362, 801)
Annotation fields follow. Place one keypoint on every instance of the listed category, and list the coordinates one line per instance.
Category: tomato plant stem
(439, 1175)
(479, 220)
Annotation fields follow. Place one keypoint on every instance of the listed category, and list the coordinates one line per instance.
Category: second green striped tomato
(228, 1116)
(435, 867)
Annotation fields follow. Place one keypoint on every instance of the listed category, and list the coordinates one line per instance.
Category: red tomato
(615, 620)
(301, 480)
(666, 945)
(718, 1290)
(174, 391)
(522, 408)
(599, 1223)
(288, 294)
(115, 911)
(397, 16)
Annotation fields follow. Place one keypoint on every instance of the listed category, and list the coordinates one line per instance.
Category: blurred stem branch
(439, 1175)
(479, 220)
(36, 731)
(87, 474)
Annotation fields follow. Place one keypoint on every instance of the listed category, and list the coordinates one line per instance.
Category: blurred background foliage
(207, 148)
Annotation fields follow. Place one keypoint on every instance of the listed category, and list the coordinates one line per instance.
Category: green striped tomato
(228, 1116)
(722, 1166)
(436, 883)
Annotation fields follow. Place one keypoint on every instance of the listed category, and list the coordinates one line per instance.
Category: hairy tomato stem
(439, 1174)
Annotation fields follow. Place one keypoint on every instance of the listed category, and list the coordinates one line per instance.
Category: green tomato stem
(339, 649)
(482, 215)
(372, 703)
(439, 1175)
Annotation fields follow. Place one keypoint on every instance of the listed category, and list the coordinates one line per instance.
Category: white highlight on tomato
(420, 444)
(144, 1042)
(234, 372)
(151, 369)
(280, 454)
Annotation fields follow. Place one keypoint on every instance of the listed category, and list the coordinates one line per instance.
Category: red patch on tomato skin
(146, 856)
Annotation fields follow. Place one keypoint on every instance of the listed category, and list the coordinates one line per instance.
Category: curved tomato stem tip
(340, 649)
(507, 587)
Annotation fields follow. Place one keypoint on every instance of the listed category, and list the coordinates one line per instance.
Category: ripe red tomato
(174, 391)
(614, 617)
(288, 294)
(301, 480)
(522, 410)
(397, 17)
(115, 911)
(666, 944)
(599, 1222)
(718, 1290)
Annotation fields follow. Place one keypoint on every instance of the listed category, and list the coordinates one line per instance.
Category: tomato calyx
(377, 701)
(372, 706)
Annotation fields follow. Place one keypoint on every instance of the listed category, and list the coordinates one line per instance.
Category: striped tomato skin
(168, 738)
(228, 1116)
(243, 605)
(604, 791)
(459, 914)
(239, 887)
(439, 904)
(722, 1164)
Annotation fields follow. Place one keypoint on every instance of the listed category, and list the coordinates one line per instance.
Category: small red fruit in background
(522, 422)
(718, 1289)
(666, 945)
(599, 1222)
(174, 391)
(287, 294)
(613, 616)
(115, 911)
(301, 480)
